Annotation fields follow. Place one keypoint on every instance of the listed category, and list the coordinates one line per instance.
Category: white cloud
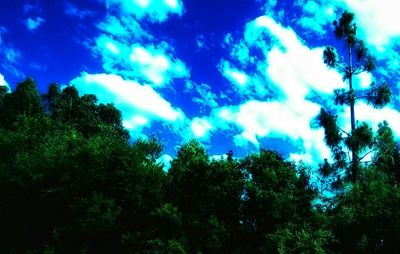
(289, 62)
(363, 80)
(317, 15)
(139, 104)
(201, 127)
(249, 85)
(154, 10)
(148, 63)
(293, 71)
(129, 50)
(372, 116)
(377, 21)
(258, 119)
(3, 82)
(235, 76)
(202, 94)
(165, 160)
(125, 28)
(219, 157)
(155, 65)
(241, 52)
(34, 23)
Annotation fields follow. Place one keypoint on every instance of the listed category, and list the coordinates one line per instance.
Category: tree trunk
(354, 154)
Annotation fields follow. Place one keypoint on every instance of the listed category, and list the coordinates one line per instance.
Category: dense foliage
(72, 181)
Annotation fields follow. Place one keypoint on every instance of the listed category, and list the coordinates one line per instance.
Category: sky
(236, 75)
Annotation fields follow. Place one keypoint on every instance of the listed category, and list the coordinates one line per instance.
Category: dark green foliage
(71, 181)
(379, 95)
(366, 219)
(25, 100)
(328, 122)
(345, 28)
(343, 97)
(361, 138)
(330, 57)
(277, 204)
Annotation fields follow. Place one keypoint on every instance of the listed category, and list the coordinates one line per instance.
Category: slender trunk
(354, 154)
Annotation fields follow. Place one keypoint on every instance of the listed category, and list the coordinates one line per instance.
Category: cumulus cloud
(139, 104)
(150, 63)
(288, 66)
(289, 62)
(372, 116)
(3, 82)
(317, 15)
(248, 85)
(153, 10)
(377, 20)
(288, 116)
(155, 65)
(34, 23)
(258, 119)
(127, 49)
(238, 78)
(201, 128)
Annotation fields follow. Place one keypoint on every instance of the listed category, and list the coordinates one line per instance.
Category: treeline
(72, 181)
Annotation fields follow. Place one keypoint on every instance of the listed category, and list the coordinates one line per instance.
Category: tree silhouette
(357, 61)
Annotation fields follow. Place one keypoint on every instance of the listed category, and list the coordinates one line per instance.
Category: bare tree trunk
(354, 154)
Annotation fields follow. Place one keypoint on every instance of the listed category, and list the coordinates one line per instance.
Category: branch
(355, 69)
(365, 155)
(377, 158)
(343, 131)
(357, 72)
(341, 68)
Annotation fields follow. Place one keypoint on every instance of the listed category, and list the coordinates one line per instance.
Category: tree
(25, 100)
(278, 216)
(356, 61)
(70, 179)
(366, 219)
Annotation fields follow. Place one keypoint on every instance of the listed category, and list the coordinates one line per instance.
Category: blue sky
(240, 75)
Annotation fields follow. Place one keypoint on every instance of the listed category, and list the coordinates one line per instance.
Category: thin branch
(349, 157)
(343, 131)
(355, 69)
(378, 157)
(357, 72)
(365, 155)
(341, 68)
